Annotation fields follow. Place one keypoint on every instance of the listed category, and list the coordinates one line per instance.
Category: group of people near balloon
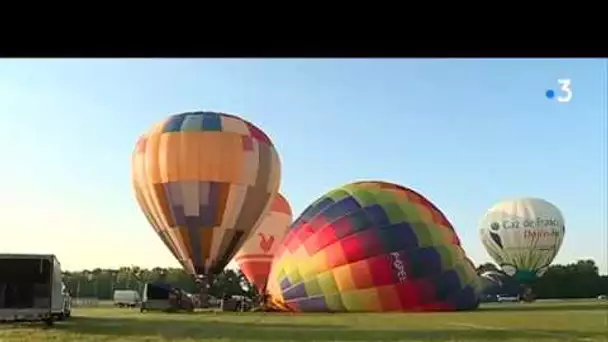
(208, 183)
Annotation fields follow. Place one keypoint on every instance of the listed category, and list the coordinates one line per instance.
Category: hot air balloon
(372, 247)
(523, 236)
(255, 257)
(204, 180)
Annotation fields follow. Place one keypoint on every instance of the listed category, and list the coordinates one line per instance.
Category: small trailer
(126, 298)
(31, 288)
(165, 297)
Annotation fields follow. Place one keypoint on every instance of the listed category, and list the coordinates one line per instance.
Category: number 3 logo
(565, 87)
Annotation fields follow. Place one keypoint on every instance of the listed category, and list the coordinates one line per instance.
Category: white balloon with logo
(523, 236)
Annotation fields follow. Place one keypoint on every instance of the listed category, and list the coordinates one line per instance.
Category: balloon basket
(271, 306)
(259, 308)
(204, 283)
(528, 295)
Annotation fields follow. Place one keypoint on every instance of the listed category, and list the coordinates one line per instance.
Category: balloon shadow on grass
(189, 326)
(552, 307)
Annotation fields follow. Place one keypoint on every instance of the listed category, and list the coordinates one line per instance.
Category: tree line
(580, 279)
(101, 283)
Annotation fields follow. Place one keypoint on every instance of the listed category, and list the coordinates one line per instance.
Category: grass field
(541, 321)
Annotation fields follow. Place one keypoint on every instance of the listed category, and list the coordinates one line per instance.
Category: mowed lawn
(541, 321)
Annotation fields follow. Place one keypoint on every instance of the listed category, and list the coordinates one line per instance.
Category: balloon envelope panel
(255, 257)
(523, 236)
(204, 180)
(372, 246)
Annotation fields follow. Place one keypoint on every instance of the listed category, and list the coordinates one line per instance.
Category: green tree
(576, 280)
(579, 279)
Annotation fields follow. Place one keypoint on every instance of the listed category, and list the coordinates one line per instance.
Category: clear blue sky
(466, 133)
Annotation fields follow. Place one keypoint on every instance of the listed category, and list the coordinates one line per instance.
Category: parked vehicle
(31, 288)
(214, 302)
(489, 298)
(165, 297)
(126, 298)
(507, 298)
(236, 303)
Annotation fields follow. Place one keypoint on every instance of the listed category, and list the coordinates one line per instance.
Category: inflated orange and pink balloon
(255, 257)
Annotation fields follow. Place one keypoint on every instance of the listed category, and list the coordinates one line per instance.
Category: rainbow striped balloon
(372, 246)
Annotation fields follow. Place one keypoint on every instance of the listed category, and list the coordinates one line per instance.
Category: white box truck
(31, 288)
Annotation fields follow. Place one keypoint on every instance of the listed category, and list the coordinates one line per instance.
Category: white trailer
(31, 288)
(126, 298)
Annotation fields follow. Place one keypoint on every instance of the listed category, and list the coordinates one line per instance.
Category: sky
(466, 133)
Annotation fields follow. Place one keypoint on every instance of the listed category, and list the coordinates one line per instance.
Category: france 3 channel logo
(565, 91)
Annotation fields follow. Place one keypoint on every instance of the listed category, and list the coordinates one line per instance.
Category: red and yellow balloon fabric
(372, 247)
(205, 180)
(255, 257)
